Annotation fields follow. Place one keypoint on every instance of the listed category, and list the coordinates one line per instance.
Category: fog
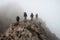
(8, 13)
(48, 10)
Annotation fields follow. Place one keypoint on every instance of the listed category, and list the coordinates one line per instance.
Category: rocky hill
(29, 30)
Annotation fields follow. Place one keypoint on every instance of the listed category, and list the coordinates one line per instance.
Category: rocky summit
(25, 30)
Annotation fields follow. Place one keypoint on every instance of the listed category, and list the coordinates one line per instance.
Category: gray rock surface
(29, 30)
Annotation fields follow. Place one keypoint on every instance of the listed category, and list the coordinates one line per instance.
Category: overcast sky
(48, 10)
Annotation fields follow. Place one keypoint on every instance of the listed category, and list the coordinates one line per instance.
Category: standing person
(31, 16)
(17, 18)
(36, 16)
(25, 16)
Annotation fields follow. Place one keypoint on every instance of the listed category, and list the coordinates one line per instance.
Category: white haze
(8, 13)
(48, 10)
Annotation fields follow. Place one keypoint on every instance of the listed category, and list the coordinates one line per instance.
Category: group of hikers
(25, 16)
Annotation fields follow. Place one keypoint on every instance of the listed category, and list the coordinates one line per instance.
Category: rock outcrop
(29, 30)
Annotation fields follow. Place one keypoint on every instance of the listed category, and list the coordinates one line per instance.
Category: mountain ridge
(26, 30)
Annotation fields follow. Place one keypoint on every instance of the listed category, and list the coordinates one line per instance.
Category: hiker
(36, 16)
(25, 15)
(31, 16)
(17, 18)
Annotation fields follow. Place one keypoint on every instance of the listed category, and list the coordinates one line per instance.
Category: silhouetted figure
(25, 15)
(36, 16)
(17, 18)
(31, 16)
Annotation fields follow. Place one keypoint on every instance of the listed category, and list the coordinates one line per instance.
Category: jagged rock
(29, 30)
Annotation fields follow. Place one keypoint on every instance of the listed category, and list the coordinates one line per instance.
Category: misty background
(48, 10)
